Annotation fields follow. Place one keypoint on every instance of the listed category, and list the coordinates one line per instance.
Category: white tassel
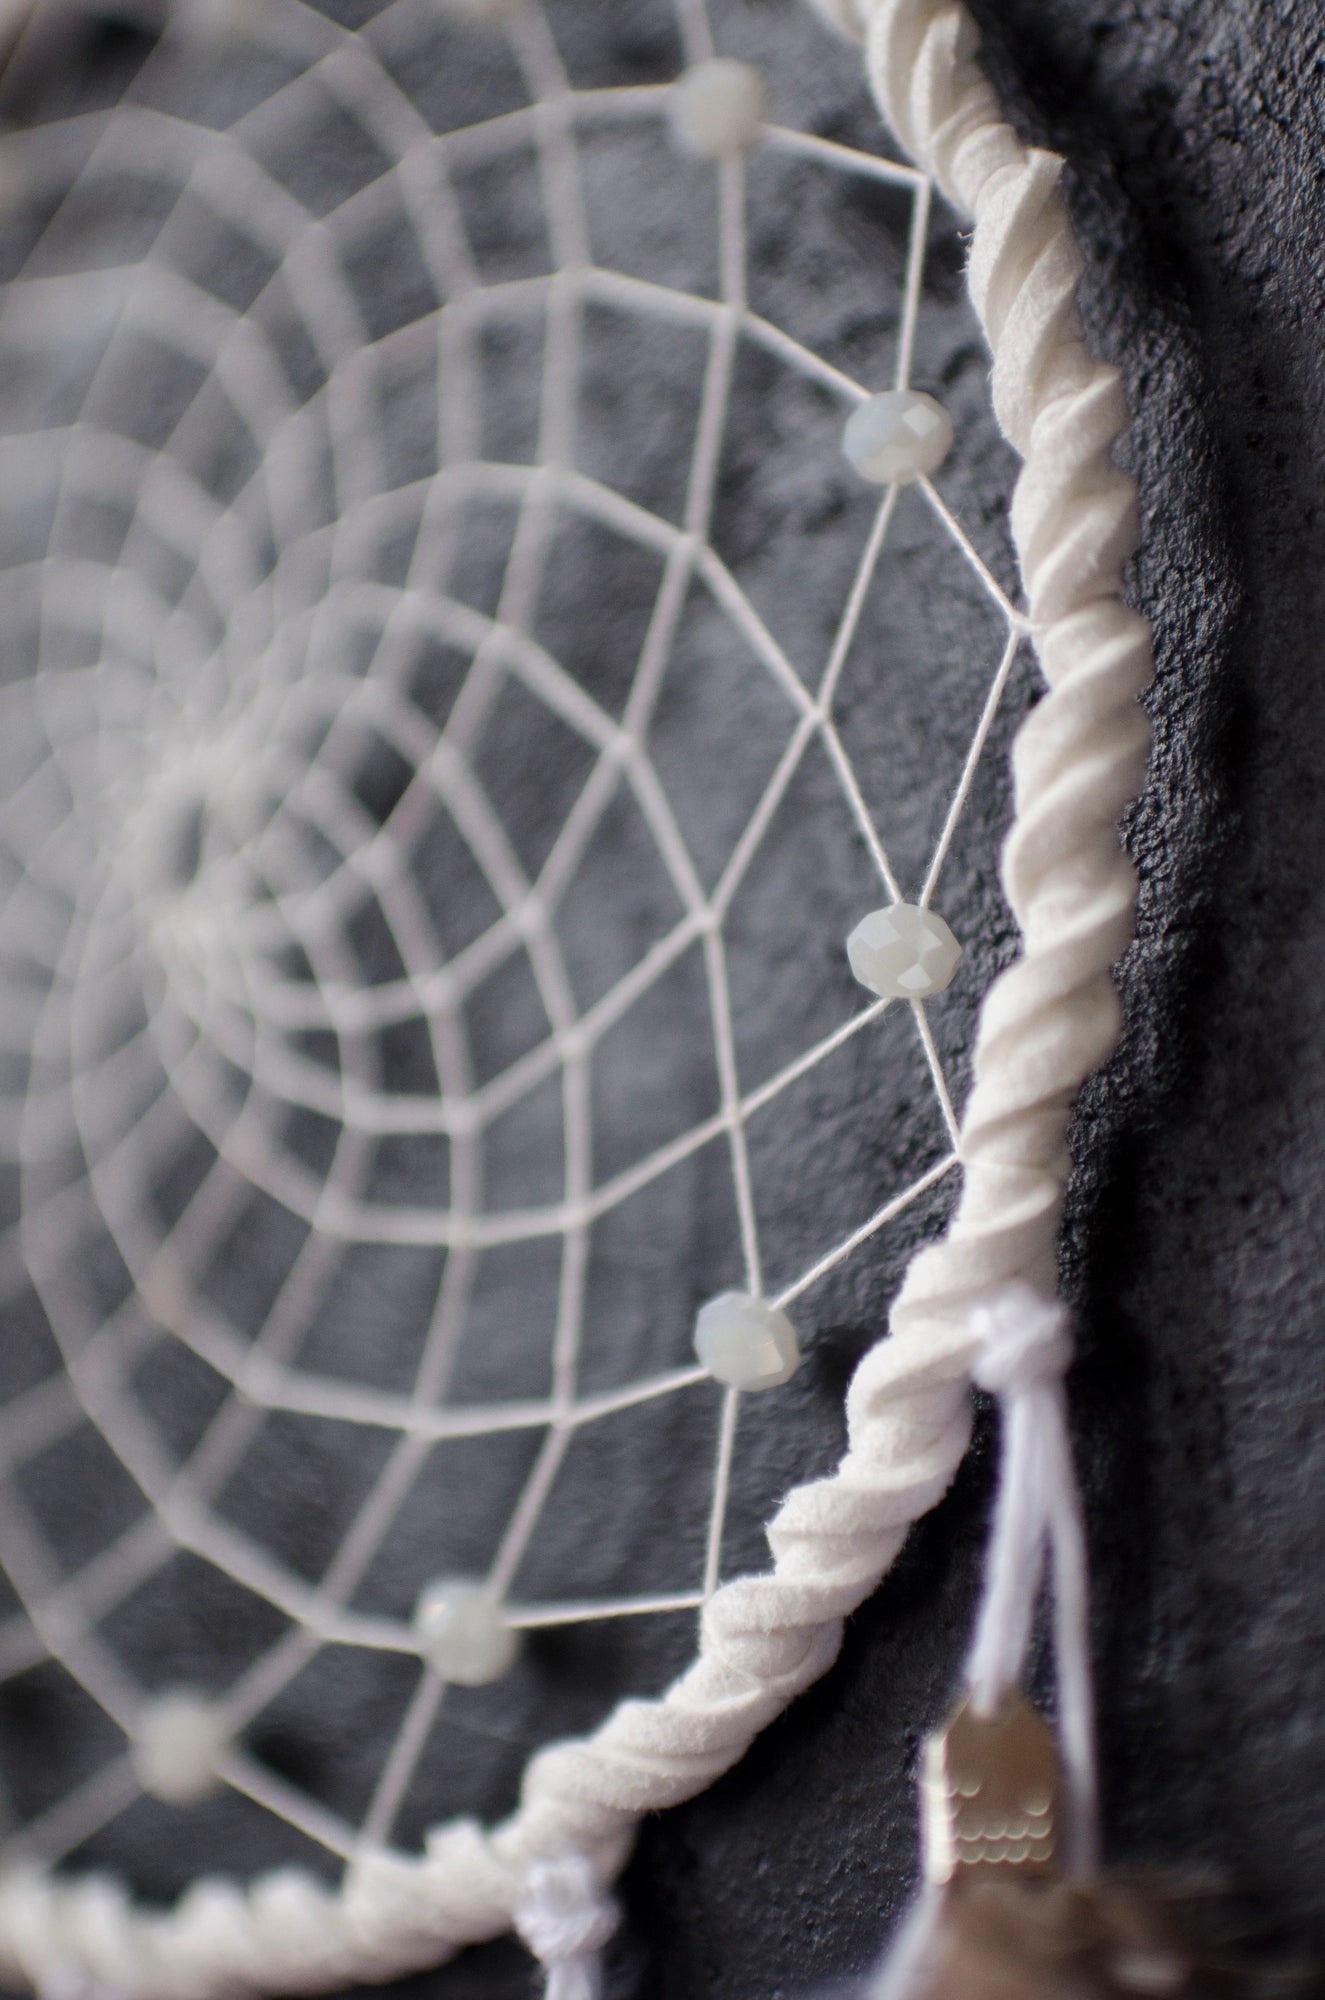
(906, 1967)
(1024, 1350)
(566, 1918)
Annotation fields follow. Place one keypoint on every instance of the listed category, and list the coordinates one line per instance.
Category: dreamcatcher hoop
(1049, 1020)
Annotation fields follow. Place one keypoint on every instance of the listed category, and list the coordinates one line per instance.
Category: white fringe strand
(566, 1919)
(1050, 1020)
(1024, 1349)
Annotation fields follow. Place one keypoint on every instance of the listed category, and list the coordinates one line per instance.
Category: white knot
(1024, 1348)
(1024, 1341)
(565, 1918)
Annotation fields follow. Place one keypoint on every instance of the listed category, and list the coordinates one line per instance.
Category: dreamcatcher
(412, 778)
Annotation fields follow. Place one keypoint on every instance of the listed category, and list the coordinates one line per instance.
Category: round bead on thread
(745, 1342)
(719, 107)
(463, 1633)
(180, 1740)
(903, 952)
(895, 437)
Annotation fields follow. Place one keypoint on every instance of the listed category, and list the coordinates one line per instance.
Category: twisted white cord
(1047, 1023)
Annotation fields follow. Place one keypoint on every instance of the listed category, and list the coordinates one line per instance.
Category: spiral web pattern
(296, 983)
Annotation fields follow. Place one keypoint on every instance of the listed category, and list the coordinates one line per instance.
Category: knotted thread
(565, 1918)
(1024, 1350)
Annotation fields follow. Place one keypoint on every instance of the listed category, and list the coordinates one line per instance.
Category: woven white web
(407, 774)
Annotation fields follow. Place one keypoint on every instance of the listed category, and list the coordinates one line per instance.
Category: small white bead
(903, 952)
(719, 107)
(180, 1740)
(895, 437)
(463, 1633)
(745, 1342)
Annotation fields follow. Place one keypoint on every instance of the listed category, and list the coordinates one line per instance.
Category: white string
(1024, 1348)
(907, 1964)
(1047, 1023)
(566, 1919)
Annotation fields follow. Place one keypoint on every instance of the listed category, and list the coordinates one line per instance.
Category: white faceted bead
(180, 1740)
(719, 107)
(895, 437)
(903, 952)
(745, 1342)
(463, 1633)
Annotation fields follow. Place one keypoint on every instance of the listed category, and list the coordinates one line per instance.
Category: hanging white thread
(1024, 1349)
(566, 1919)
(909, 1957)
(1048, 1022)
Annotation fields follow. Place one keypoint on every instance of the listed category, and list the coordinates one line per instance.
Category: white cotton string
(566, 1918)
(1024, 1349)
(910, 1955)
